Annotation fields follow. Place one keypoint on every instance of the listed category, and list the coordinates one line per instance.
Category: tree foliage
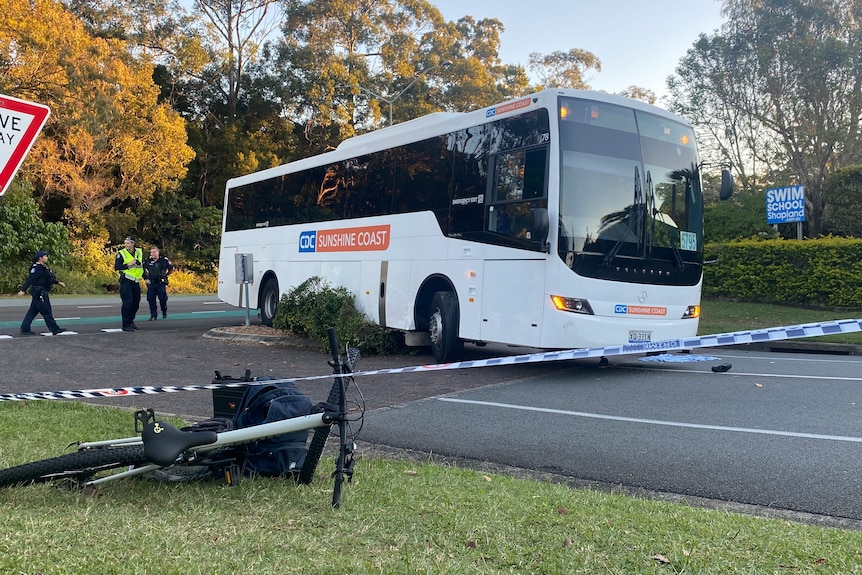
(843, 196)
(108, 139)
(24, 233)
(640, 93)
(780, 87)
(564, 69)
(743, 216)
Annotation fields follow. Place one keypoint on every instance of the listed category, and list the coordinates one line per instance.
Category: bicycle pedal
(349, 467)
(232, 475)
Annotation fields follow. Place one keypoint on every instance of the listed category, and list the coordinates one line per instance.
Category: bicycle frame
(225, 439)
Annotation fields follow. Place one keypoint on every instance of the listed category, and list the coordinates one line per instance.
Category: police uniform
(39, 281)
(156, 272)
(129, 264)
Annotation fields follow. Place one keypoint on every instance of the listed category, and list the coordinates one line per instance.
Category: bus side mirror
(541, 225)
(726, 189)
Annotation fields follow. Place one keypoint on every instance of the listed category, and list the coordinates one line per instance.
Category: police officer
(129, 263)
(39, 280)
(156, 271)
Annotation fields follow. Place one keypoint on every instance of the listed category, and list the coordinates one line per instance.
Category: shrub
(187, 282)
(819, 272)
(314, 305)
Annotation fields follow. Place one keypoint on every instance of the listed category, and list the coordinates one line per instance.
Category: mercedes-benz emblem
(642, 297)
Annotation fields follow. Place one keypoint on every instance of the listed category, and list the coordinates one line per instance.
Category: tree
(477, 78)
(329, 48)
(238, 29)
(639, 93)
(784, 81)
(342, 61)
(843, 196)
(702, 91)
(108, 140)
(742, 216)
(564, 69)
(23, 233)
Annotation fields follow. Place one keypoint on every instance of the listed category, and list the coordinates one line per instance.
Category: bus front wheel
(268, 302)
(443, 327)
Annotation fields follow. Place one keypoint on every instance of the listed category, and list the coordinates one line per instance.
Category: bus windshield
(631, 206)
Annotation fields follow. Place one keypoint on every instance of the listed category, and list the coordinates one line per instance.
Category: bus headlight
(691, 312)
(572, 304)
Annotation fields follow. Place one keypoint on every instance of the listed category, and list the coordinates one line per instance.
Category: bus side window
(509, 176)
(519, 186)
(534, 173)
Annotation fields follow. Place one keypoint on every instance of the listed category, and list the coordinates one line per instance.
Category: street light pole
(391, 100)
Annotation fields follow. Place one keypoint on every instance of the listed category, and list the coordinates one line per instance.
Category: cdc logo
(307, 241)
(621, 308)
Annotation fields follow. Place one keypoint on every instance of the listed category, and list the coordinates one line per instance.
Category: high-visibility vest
(135, 272)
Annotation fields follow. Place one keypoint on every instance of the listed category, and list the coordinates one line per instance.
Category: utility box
(244, 266)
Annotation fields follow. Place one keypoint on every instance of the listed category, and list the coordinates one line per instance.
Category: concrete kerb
(801, 346)
(286, 340)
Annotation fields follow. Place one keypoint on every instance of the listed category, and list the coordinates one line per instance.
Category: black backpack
(280, 456)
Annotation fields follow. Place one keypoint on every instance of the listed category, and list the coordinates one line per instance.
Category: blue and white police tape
(736, 338)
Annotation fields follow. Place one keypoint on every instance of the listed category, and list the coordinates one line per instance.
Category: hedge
(821, 272)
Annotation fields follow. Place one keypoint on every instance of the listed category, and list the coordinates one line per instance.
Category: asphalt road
(173, 352)
(778, 431)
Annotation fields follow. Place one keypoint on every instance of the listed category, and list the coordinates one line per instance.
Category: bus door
(512, 301)
(516, 219)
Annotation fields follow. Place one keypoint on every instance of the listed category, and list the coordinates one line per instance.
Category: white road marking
(657, 421)
(786, 357)
(749, 374)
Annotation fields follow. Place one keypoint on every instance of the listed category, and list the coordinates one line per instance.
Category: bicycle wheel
(76, 465)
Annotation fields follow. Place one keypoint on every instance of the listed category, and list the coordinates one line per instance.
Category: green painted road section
(115, 319)
(65, 317)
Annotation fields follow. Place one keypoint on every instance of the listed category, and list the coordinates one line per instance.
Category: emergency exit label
(20, 123)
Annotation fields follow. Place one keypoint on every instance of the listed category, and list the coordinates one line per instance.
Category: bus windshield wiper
(635, 214)
(653, 212)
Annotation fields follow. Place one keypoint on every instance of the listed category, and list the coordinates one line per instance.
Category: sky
(638, 42)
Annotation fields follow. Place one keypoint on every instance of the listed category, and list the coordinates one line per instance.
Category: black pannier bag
(282, 455)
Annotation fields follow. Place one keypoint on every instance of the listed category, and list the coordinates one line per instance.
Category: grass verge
(396, 517)
(719, 316)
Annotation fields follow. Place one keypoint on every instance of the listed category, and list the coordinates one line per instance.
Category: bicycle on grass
(161, 445)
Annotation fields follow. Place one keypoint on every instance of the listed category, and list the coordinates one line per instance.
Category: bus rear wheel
(443, 327)
(268, 303)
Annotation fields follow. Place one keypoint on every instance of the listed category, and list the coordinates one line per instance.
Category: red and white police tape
(740, 337)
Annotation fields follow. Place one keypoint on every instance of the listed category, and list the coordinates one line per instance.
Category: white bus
(559, 220)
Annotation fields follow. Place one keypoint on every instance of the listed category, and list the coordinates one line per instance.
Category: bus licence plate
(640, 336)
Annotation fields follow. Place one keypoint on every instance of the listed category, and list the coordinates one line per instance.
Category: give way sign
(20, 123)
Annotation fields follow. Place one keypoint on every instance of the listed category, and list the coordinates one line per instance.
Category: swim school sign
(785, 205)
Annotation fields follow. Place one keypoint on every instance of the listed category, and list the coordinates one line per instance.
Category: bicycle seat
(163, 442)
